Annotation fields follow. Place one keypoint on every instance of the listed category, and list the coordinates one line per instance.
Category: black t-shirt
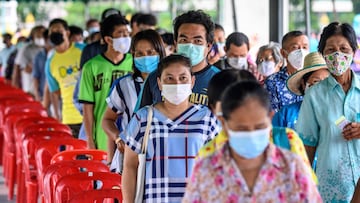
(90, 51)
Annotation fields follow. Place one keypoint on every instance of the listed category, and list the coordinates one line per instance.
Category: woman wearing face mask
(248, 168)
(314, 71)
(147, 50)
(269, 59)
(329, 118)
(178, 129)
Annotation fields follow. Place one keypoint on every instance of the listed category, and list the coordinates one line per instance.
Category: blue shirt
(338, 164)
(38, 70)
(287, 116)
(280, 95)
(151, 93)
(171, 150)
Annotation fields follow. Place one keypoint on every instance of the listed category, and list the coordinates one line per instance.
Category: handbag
(140, 181)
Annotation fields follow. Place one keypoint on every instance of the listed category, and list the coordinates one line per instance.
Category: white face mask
(238, 62)
(176, 93)
(39, 42)
(266, 68)
(296, 58)
(121, 44)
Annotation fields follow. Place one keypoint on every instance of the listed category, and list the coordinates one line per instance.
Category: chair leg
(11, 175)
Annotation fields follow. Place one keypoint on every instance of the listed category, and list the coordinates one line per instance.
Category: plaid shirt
(280, 95)
(172, 147)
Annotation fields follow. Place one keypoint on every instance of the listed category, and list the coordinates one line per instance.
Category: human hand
(120, 146)
(351, 131)
(213, 57)
(91, 143)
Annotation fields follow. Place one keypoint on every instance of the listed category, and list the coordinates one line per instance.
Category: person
(184, 127)
(146, 22)
(295, 46)
(62, 72)
(356, 196)
(92, 33)
(38, 71)
(282, 137)
(133, 24)
(237, 55)
(97, 76)
(217, 51)
(314, 71)
(24, 60)
(76, 34)
(329, 119)
(193, 33)
(168, 39)
(10, 63)
(248, 168)
(5, 52)
(147, 50)
(269, 59)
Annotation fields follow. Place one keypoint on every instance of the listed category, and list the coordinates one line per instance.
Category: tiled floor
(3, 189)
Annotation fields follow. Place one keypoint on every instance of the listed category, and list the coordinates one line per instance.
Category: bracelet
(117, 140)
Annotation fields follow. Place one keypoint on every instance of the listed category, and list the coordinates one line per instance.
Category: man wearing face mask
(295, 46)
(62, 72)
(98, 75)
(24, 60)
(236, 55)
(193, 33)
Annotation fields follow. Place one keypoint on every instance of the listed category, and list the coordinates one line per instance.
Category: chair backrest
(106, 195)
(29, 106)
(60, 169)
(88, 154)
(45, 127)
(24, 123)
(8, 100)
(69, 186)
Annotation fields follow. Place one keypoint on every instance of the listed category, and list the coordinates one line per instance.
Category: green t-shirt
(97, 76)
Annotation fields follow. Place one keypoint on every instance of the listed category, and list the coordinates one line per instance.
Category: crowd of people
(218, 126)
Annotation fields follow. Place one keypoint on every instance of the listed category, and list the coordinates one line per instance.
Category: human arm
(356, 196)
(129, 175)
(88, 110)
(54, 89)
(36, 73)
(110, 128)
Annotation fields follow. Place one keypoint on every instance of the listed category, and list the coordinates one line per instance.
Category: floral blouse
(284, 177)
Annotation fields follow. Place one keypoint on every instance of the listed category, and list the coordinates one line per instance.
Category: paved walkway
(3, 189)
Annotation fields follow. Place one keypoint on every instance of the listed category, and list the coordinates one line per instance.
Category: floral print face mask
(338, 62)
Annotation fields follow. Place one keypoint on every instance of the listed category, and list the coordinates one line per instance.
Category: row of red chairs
(43, 159)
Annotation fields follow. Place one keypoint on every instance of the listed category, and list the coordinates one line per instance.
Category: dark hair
(90, 21)
(238, 39)
(238, 93)
(109, 12)
(134, 18)
(59, 21)
(154, 38)
(336, 28)
(290, 35)
(305, 78)
(168, 38)
(171, 59)
(107, 26)
(146, 19)
(222, 80)
(7, 35)
(75, 30)
(36, 29)
(196, 17)
(46, 34)
(219, 27)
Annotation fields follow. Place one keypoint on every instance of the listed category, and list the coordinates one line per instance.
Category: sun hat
(312, 62)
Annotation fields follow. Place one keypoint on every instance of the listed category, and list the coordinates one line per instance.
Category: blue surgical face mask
(146, 64)
(249, 144)
(194, 52)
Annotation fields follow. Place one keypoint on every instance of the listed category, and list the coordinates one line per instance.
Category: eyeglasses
(149, 52)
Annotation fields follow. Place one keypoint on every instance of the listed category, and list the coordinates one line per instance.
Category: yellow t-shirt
(62, 73)
(296, 146)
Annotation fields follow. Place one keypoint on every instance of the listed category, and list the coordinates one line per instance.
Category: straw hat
(312, 62)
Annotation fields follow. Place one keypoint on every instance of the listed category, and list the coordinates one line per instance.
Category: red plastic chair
(9, 159)
(71, 185)
(89, 154)
(47, 149)
(60, 169)
(96, 196)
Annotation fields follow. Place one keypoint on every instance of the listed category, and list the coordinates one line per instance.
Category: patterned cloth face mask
(338, 62)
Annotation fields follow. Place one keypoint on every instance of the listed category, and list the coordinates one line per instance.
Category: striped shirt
(123, 96)
(171, 150)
